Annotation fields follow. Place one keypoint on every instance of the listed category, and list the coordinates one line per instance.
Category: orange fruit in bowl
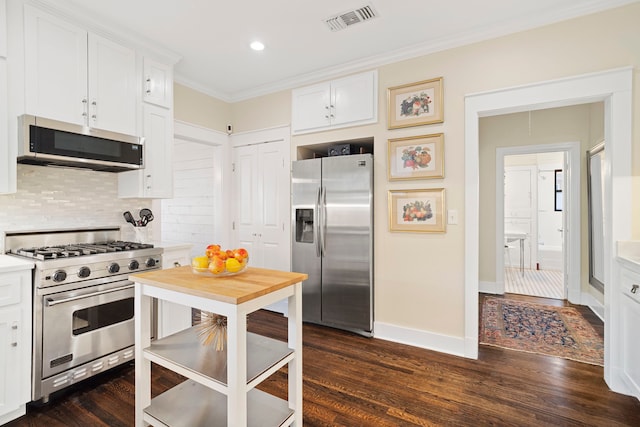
(217, 265)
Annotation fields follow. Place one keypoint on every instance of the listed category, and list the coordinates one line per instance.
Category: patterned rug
(537, 328)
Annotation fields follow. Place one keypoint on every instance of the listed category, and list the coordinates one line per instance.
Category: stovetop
(78, 249)
(70, 256)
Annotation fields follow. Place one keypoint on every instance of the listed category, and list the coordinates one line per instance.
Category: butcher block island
(220, 386)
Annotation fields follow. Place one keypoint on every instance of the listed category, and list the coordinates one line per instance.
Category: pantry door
(261, 195)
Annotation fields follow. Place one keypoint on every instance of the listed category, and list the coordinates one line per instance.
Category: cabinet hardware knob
(93, 116)
(176, 264)
(14, 327)
(14, 344)
(94, 103)
(148, 79)
(326, 107)
(84, 101)
(634, 289)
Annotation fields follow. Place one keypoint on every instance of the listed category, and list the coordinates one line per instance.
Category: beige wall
(580, 123)
(420, 277)
(197, 108)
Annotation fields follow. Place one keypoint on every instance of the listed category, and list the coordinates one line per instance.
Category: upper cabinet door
(112, 86)
(3, 28)
(311, 107)
(158, 83)
(55, 68)
(354, 100)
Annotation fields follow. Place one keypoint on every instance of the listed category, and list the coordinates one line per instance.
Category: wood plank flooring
(351, 380)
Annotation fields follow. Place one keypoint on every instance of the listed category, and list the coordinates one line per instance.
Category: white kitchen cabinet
(7, 158)
(348, 101)
(3, 28)
(15, 338)
(76, 76)
(158, 83)
(173, 317)
(629, 321)
(156, 179)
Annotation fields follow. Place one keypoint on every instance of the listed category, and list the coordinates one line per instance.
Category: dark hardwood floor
(351, 380)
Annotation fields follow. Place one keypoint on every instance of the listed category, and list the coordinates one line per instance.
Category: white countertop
(629, 253)
(10, 263)
(172, 245)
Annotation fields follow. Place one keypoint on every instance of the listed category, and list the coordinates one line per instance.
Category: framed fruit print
(421, 211)
(415, 104)
(416, 157)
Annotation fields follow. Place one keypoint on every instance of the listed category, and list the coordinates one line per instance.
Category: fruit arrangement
(220, 262)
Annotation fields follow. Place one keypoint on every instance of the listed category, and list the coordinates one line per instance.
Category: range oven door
(83, 324)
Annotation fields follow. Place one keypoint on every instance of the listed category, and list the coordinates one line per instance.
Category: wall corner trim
(420, 338)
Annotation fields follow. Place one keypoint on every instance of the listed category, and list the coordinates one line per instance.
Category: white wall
(191, 216)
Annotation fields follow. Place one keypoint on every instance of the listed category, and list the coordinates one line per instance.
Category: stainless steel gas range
(82, 301)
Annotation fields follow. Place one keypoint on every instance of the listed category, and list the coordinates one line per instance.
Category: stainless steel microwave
(50, 142)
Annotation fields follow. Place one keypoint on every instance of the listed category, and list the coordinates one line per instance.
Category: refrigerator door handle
(317, 222)
(324, 220)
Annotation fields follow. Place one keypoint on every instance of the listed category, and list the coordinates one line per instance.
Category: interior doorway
(534, 261)
(614, 87)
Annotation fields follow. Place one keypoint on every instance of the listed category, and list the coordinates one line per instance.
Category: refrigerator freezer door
(305, 258)
(347, 237)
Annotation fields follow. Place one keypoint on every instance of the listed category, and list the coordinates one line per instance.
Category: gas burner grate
(79, 249)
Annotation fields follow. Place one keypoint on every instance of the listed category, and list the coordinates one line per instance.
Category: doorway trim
(614, 87)
(571, 235)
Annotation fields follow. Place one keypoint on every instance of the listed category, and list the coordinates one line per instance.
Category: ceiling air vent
(351, 17)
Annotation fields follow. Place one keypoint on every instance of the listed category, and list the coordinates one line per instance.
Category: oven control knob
(150, 262)
(113, 268)
(133, 265)
(59, 276)
(84, 272)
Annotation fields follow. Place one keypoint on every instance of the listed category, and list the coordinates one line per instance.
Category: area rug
(537, 328)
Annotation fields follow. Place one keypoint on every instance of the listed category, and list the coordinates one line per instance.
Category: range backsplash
(53, 197)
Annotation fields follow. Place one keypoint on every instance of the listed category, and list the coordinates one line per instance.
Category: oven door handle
(51, 301)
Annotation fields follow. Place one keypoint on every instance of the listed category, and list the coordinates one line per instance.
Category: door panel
(305, 251)
(346, 267)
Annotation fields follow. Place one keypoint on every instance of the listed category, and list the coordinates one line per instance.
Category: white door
(55, 68)
(311, 107)
(353, 99)
(262, 199)
(112, 86)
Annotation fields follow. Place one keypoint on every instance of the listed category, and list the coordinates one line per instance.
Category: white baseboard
(419, 338)
(595, 305)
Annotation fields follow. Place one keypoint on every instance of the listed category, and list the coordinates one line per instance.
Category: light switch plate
(452, 216)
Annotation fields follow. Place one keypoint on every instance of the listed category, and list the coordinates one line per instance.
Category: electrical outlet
(452, 217)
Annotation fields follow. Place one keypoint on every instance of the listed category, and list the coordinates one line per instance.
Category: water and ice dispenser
(304, 225)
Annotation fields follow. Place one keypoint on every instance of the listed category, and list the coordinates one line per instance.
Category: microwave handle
(52, 301)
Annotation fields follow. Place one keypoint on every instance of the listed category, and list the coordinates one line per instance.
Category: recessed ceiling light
(257, 46)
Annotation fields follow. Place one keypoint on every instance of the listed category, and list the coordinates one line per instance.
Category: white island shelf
(220, 389)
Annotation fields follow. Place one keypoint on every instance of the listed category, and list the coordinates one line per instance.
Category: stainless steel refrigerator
(332, 214)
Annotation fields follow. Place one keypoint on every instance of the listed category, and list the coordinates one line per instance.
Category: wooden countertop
(243, 287)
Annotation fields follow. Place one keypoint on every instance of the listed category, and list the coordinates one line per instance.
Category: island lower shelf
(184, 353)
(190, 404)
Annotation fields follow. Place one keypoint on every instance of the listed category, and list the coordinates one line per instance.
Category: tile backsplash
(53, 198)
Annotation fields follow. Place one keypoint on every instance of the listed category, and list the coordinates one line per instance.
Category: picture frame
(417, 211)
(415, 104)
(415, 157)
